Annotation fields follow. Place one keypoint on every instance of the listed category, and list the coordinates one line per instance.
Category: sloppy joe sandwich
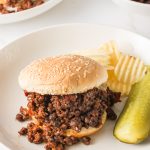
(68, 100)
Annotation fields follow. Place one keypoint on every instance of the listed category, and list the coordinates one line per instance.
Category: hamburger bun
(68, 74)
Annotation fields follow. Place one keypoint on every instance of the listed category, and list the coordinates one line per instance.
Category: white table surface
(69, 11)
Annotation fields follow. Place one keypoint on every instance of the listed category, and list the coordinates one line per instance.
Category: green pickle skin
(133, 125)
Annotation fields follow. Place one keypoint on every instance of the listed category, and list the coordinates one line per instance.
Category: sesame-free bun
(67, 74)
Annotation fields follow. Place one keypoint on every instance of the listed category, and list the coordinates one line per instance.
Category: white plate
(29, 13)
(54, 41)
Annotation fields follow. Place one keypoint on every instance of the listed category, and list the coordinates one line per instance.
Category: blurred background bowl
(139, 14)
(28, 13)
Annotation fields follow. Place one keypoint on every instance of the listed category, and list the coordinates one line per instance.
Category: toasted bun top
(68, 74)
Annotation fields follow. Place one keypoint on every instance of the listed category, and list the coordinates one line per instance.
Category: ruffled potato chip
(123, 70)
(116, 85)
(102, 59)
(97, 55)
(110, 49)
(129, 69)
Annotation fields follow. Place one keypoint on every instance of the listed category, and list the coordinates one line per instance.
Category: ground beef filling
(57, 113)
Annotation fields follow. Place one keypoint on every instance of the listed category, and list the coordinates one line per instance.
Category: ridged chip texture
(67, 74)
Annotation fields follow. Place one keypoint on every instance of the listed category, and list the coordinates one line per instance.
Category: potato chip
(110, 49)
(129, 69)
(116, 85)
(123, 70)
(96, 55)
(103, 60)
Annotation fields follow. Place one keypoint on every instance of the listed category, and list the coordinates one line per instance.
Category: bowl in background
(139, 14)
(28, 13)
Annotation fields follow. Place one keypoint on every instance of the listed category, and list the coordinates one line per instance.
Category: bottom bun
(84, 131)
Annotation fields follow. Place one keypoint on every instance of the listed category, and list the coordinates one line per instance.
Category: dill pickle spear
(133, 125)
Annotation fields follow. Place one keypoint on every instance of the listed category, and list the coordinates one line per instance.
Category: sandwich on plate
(68, 100)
